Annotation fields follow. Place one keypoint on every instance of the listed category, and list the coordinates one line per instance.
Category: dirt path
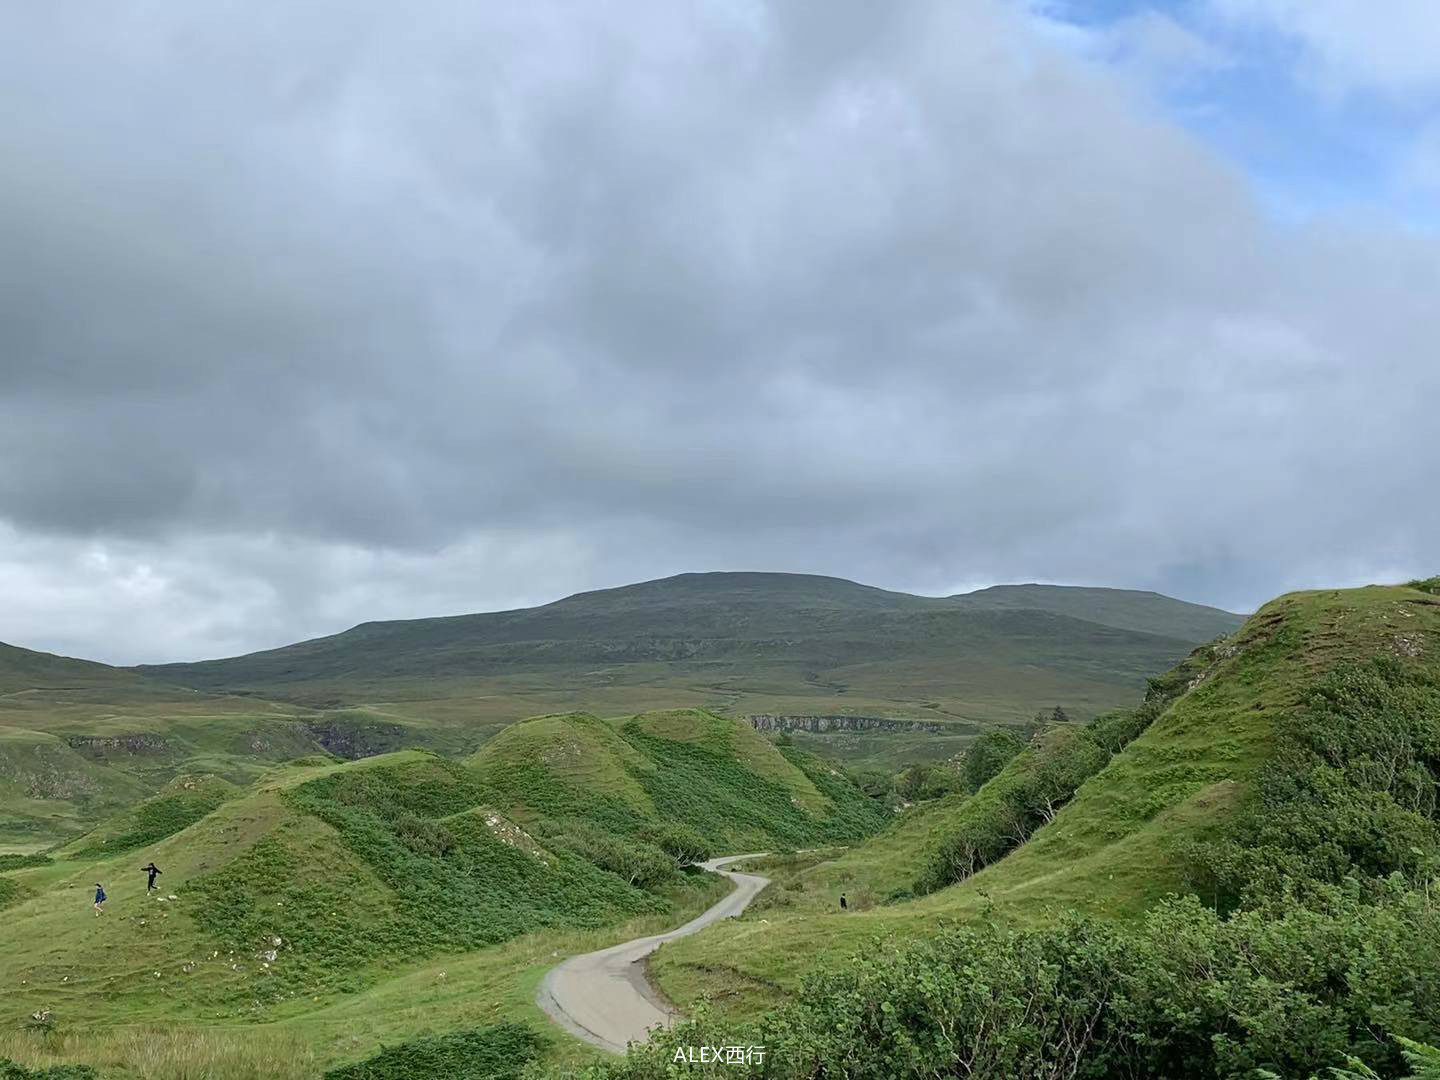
(604, 997)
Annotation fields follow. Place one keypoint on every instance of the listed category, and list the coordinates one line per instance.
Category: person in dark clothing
(99, 899)
(842, 901)
(152, 870)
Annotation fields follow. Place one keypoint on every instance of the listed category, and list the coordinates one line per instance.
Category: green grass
(405, 885)
(631, 775)
(1116, 848)
(739, 644)
(182, 802)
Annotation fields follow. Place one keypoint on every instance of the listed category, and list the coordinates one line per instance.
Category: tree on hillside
(681, 843)
(987, 755)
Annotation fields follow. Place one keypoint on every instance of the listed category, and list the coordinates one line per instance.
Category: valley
(401, 911)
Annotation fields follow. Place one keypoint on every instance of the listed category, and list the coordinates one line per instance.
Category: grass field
(740, 644)
(1112, 851)
(420, 894)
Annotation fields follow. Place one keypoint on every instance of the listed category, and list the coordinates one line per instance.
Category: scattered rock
(1411, 645)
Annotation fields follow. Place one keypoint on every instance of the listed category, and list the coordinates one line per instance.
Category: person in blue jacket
(99, 899)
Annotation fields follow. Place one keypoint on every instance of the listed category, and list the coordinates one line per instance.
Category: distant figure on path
(842, 901)
(99, 899)
(152, 870)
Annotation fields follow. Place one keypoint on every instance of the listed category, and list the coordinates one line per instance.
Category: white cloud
(352, 311)
(1344, 46)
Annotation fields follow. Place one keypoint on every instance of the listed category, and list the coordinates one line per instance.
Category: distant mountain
(1126, 609)
(25, 669)
(746, 642)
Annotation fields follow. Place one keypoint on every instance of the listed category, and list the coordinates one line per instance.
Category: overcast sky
(320, 312)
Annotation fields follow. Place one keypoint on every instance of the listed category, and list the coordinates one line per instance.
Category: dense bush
(10, 1070)
(928, 780)
(1350, 790)
(874, 782)
(705, 786)
(1183, 994)
(500, 1052)
(637, 862)
(680, 842)
(987, 755)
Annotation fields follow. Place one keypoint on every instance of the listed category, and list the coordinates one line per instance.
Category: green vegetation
(408, 884)
(637, 777)
(1182, 993)
(987, 755)
(184, 801)
(737, 645)
(21, 862)
(1026, 794)
(500, 1052)
(1238, 877)
(10, 1070)
(1283, 778)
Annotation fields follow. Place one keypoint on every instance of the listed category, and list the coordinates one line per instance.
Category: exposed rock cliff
(774, 722)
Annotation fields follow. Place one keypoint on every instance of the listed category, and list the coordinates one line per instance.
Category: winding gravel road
(604, 997)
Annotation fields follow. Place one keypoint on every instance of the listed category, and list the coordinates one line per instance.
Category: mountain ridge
(808, 593)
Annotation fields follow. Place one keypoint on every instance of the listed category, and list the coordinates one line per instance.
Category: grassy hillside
(327, 891)
(631, 775)
(741, 644)
(81, 741)
(1128, 837)
(24, 671)
(1126, 609)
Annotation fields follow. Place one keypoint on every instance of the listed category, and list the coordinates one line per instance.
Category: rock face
(352, 740)
(818, 724)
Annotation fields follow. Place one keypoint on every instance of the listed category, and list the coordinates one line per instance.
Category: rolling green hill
(1217, 772)
(632, 775)
(746, 643)
(24, 671)
(325, 884)
(80, 741)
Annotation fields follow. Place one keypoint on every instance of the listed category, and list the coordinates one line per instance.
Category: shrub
(987, 755)
(10, 1070)
(682, 843)
(22, 862)
(638, 863)
(1350, 790)
(500, 1052)
(1182, 995)
(928, 780)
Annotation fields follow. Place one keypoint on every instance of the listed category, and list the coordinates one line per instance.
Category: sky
(324, 312)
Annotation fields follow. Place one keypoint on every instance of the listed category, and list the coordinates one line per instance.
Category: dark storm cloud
(340, 311)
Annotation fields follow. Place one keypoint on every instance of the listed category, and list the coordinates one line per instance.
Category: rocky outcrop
(819, 724)
(357, 740)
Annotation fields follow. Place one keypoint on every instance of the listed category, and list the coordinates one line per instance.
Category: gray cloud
(342, 311)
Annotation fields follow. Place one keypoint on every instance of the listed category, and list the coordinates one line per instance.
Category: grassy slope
(384, 880)
(1147, 612)
(631, 773)
(742, 643)
(1112, 850)
(70, 756)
